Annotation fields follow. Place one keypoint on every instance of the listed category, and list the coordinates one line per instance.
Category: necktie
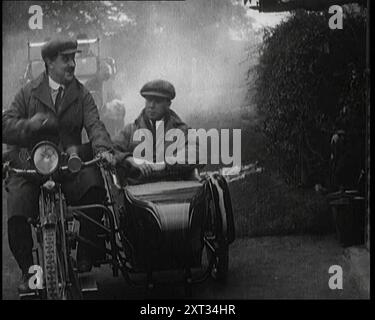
(58, 98)
(153, 122)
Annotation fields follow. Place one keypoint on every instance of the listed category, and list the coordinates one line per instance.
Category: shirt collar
(54, 85)
(157, 122)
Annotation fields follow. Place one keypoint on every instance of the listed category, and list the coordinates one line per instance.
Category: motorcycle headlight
(45, 158)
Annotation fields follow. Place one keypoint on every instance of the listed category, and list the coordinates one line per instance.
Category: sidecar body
(167, 224)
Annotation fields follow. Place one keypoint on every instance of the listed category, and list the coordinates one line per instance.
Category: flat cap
(158, 88)
(59, 46)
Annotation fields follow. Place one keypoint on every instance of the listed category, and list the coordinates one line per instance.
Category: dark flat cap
(59, 46)
(158, 88)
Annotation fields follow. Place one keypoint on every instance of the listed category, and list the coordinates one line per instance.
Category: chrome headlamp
(46, 158)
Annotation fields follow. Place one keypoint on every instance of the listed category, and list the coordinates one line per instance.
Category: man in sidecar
(158, 96)
(167, 222)
(55, 107)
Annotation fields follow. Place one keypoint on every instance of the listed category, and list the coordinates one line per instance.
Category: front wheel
(51, 266)
(57, 284)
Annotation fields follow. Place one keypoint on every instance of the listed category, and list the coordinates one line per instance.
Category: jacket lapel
(142, 121)
(71, 94)
(42, 91)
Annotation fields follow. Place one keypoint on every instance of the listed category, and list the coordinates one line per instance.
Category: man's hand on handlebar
(108, 157)
(5, 168)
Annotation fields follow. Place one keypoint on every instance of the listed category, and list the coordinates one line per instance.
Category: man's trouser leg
(89, 230)
(86, 188)
(20, 242)
(22, 203)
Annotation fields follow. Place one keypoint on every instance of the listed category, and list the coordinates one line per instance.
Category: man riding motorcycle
(55, 107)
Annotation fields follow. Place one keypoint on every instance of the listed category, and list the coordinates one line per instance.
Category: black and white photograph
(186, 155)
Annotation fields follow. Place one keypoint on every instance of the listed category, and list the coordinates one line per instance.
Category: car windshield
(85, 67)
(37, 67)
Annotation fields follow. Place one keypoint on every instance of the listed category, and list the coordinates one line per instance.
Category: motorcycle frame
(117, 253)
(53, 219)
(114, 235)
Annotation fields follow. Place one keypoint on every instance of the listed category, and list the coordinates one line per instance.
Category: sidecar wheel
(221, 263)
(188, 290)
(219, 250)
(74, 292)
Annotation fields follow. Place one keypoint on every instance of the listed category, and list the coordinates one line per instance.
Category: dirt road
(260, 268)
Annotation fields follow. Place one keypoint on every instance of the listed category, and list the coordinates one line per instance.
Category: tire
(51, 271)
(221, 255)
(74, 291)
(221, 262)
(188, 290)
(54, 271)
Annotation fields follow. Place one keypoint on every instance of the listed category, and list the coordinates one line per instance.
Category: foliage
(311, 81)
(67, 16)
(265, 205)
(116, 17)
(142, 36)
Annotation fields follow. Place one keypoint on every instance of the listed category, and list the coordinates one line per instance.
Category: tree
(310, 81)
(138, 34)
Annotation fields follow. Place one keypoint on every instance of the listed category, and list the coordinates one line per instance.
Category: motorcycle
(158, 226)
(53, 227)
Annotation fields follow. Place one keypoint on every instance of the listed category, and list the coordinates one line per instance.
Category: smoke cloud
(199, 46)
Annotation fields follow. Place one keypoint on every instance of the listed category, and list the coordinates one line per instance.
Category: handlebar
(7, 168)
(84, 164)
(133, 172)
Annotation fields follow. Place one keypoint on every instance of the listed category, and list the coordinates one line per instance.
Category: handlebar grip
(5, 170)
(75, 160)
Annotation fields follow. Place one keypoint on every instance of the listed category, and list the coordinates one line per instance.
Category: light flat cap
(59, 46)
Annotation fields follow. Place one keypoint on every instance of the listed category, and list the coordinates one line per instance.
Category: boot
(84, 261)
(87, 255)
(24, 287)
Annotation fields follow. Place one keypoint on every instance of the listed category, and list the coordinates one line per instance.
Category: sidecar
(178, 225)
